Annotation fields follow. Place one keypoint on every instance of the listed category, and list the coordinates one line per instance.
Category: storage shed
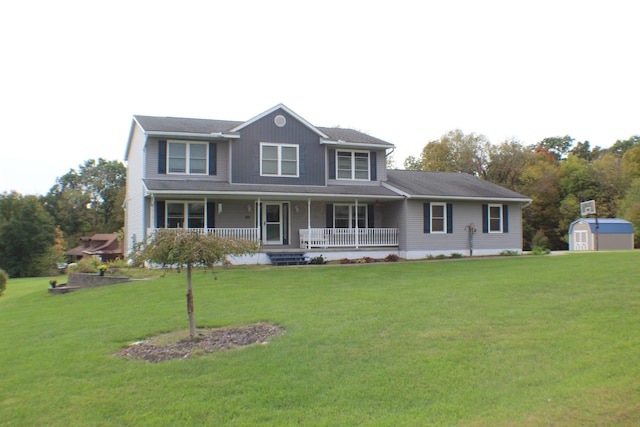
(612, 234)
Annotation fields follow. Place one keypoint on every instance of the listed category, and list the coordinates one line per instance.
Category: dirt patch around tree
(177, 345)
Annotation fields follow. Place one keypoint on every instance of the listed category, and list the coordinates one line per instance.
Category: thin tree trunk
(192, 322)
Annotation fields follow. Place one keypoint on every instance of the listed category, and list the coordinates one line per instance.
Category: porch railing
(348, 237)
(231, 233)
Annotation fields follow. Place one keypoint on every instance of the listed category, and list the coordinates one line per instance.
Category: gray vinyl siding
(222, 162)
(246, 152)
(134, 204)
(413, 238)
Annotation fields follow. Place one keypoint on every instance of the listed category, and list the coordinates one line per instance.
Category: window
(352, 165)
(192, 211)
(278, 160)
(187, 157)
(438, 218)
(344, 216)
(495, 218)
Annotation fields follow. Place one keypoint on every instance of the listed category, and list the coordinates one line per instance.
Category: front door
(272, 223)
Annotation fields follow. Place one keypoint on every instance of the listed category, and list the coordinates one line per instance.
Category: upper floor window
(187, 157)
(278, 160)
(352, 165)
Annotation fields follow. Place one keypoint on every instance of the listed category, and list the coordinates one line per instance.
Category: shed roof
(605, 225)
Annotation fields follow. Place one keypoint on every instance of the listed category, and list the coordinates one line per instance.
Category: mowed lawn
(513, 341)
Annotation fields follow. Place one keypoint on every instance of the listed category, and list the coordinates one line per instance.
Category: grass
(518, 341)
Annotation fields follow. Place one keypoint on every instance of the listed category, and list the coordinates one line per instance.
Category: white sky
(73, 73)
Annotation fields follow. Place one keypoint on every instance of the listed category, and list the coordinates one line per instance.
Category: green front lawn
(508, 341)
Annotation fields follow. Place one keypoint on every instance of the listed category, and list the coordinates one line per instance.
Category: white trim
(444, 218)
(279, 159)
(204, 136)
(287, 110)
(501, 209)
(353, 165)
(355, 145)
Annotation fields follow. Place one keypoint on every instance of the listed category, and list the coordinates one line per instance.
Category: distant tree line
(35, 231)
(557, 173)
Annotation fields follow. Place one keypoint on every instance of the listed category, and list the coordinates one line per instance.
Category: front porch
(313, 238)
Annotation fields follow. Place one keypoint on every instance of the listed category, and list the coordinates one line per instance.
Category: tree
(557, 145)
(507, 161)
(622, 146)
(186, 248)
(27, 234)
(630, 208)
(456, 152)
(89, 200)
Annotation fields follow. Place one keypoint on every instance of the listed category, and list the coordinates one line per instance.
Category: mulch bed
(207, 341)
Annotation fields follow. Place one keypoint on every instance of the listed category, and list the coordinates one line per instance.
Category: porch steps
(288, 258)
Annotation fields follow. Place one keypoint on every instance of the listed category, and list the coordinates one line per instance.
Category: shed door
(581, 240)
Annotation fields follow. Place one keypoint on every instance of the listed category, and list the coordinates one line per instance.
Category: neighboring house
(605, 234)
(288, 184)
(104, 246)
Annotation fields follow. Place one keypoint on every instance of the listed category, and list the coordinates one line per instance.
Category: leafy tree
(27, 235)
(90, 199)
(607, 170)
(507, 161)
(185, 248)
(412, 163)
(583, 150)
(630, 208)
(631, 164)
(455, 152)
(3, 281)
(558, 146)
(622, 146)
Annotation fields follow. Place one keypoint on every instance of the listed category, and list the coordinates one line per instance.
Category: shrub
(540, 241)
(85, 265)
(4, 277)
(318, 260)
(431, 257)
(441, 256)
(368, 259)
(456, 255)
(538, 250)
(345, 261)
(509, 253)
(391, 258)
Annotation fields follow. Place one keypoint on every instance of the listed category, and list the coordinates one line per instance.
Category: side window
(438, 218)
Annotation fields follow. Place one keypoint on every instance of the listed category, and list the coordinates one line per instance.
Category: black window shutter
(374, 166)
(427, 217)
(159, 214)
(485, 218)
(332, 164)
(211, 214)
(505, 218)
(213, 158)
(329, 215)
(162, 156)
(449, 218)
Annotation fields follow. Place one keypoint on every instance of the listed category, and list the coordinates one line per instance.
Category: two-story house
(288, 184)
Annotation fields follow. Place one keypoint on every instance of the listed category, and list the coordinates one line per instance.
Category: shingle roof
(449, 185)
(179, 124)
(206, 126)
(215, 187)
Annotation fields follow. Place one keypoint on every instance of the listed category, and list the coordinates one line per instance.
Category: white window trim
(444, 218)
(500, 208)
(353, 165)
(187, 166)
(279, 159)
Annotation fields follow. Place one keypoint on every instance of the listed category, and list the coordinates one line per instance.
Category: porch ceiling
(191, 187)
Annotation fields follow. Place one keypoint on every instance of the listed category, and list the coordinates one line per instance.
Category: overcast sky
(74, 72)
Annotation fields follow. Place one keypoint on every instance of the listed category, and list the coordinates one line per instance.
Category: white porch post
(309, 223)
(259, 219)
(357, 239)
